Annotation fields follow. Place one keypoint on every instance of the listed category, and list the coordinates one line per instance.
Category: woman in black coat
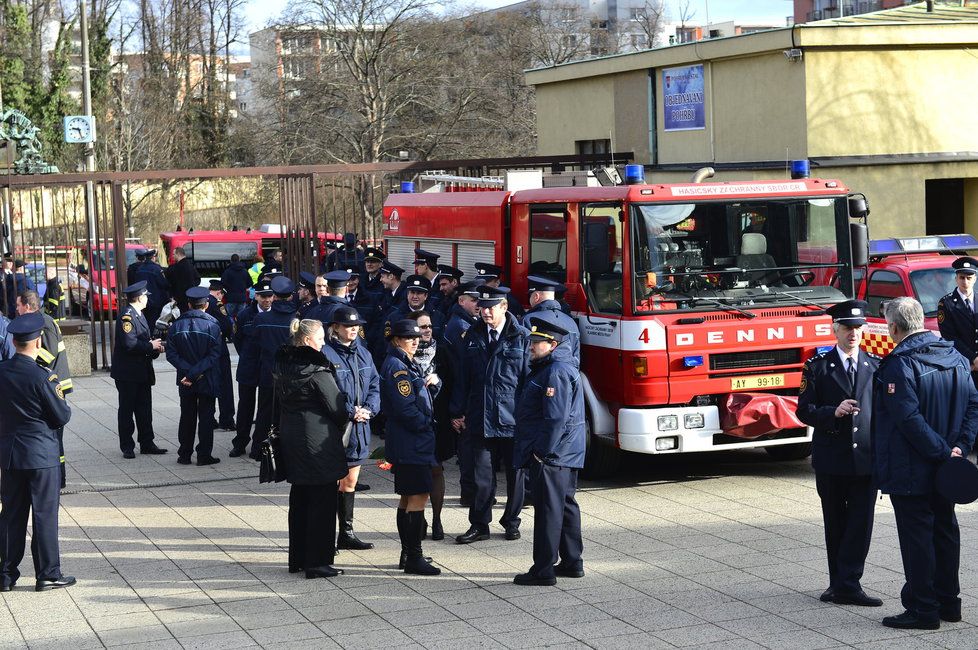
(313, 454)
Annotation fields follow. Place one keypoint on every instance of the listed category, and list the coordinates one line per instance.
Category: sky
(260, 12)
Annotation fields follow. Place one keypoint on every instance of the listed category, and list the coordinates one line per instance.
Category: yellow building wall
(632, 114)
(583, 109)
(890, 101)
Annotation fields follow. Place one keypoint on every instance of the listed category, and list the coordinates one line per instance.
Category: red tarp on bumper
(751, 415)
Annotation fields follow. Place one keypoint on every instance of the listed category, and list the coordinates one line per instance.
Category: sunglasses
(424, 327)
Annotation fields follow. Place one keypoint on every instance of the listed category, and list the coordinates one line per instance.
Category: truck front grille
(758, 359)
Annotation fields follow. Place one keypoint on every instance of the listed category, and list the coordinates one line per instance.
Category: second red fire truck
(697, 303)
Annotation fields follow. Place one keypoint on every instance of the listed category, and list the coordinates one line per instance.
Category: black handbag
(271, 469)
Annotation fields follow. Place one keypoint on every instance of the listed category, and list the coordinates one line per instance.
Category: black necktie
(851, 371)
(493, 339)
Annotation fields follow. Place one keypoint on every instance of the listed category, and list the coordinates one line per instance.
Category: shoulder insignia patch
(362, 334)
(53, 378)
(401, 373)
(60, 391)
(127, 327)
(550, 391)
(940, 314)
(404, 387)
(127, 317)
(803, 385)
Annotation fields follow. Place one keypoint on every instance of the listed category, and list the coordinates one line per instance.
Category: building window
(548, 242)
(585, 147)
(242, 106)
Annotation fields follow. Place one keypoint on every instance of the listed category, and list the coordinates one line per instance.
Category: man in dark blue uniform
(346, 255)
(492, 275)
(16, 282)
(418, 299)
(464, 314)
(447, 283)
(193, 347)
(925, 411)
(132, 370)
(236, 281)
(835, 398)
(373, 259)
(225, 399)
(357, 297)
(246, 343)
(133, 268)
(6, 341)
(483, 401)
(426, 265)
(336, 287)
(549, 448)
(544, 305)
(956, 313)
(271, 331)
(157, 287)
(29, 460)
(306, 293)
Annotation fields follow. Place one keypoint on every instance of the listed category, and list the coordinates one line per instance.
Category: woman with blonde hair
(314, 416)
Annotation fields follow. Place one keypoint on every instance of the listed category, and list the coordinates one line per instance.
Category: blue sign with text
(683, 98)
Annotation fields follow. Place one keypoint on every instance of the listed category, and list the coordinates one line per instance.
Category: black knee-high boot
(415, 562)
(346, 538)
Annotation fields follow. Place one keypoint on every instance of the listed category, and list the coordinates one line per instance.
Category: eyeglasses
(424, 327)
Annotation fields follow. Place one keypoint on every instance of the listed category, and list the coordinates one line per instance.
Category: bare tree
(650, 20)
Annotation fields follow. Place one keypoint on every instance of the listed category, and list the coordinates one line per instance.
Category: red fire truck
(687, 296)
(919, 267)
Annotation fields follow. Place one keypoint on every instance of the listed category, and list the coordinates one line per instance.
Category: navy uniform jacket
(958, 324)
(133, 354)
(453, 338)
(131, 272)
(402, 312)
(217, 311)
(246, 343)
(551, 311)
(182, 276)
(357, 377)
(410, 428)
(486, 388)
(16, 283)
(550, 415)
(271, 332)
(303, 309)
(29, 423)
(372, 285)
(341, 258)
(156, 283)
(236, 281)
(389, 301)
(7, 350)
(323, 312)
(924, 404)
(193, 347)
(839, 445)
(365, 303)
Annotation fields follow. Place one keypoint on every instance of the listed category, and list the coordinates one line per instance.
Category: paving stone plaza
(683, 552)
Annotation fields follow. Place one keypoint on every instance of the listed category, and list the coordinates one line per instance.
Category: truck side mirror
(596, 248)
(859, 240)
(858, 206)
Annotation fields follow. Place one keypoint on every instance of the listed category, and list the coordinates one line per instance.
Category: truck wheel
(601, 459)
(790, 452)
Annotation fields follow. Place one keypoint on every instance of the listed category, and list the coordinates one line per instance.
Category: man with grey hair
(925, 411)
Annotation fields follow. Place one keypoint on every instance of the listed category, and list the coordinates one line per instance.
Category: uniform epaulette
(820, 355)
(871, 355)
(126, 317)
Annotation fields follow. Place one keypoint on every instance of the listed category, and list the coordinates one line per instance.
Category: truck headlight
(694, 421)
(667, 422)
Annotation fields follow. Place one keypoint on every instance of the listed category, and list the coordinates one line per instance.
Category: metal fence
(46, 218)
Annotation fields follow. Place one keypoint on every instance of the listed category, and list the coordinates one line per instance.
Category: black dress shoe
(567, 572)
(361, 487)
(237, 451)
(860, 598)
(130, 454)
(530, 580)
(910, 621)
(208, 460)
(152, 450)
(183, 461)
(63, 581)
(512, 533)
(951, 614)
(326, 571)
(827, 595)
(473, 534)
(9, 586)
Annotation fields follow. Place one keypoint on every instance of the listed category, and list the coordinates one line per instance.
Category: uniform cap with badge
(471, 288)
(418, 283)
(392, 269)
(421, 256)
(372, 254)
(337, 279)
(850, 312)
(449, 271)
(264, 288)
(307, 280)
(405, 329)
(488, 271)
(216, 285)
(492, 296)
(135, 290)
(198, 294)
(965, 265)
(542, 283)
(26, 327)
(348, 316)
(282, 286)
(354, 272)
(542, 330)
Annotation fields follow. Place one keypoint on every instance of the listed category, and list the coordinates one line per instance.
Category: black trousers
(557, 518)
(488, 455)
(35, 492)
(312, 526)
(267, 415)
(225, 400)
(135, 400)
(930, 544)
(246, 415)
(463, 449)
(196, 416)
(847, 511)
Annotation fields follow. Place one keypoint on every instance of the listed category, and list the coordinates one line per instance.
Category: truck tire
(800, 451)
(601, 459)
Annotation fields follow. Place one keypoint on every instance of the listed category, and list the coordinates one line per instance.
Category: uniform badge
(59, 390)
(404, 387)
(53, 378)
(550, 391)
(803, 385)
(464, 333)
(891, 388)
(362, 335)
(940, 315)
(127, 327)
(387, 330)
(401, 373)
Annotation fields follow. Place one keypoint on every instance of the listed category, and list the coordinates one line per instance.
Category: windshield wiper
(716, 303)
(794, 296)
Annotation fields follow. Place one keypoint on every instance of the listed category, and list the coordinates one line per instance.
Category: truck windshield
(931, 285)
(767, 252)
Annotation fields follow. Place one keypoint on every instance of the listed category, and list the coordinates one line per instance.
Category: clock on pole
(79, 129)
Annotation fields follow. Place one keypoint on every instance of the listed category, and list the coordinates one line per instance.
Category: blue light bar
(960, 242)
(884, 247)
(692, 362)
(634, 174)
(929, 244)
(822, 349)
(407, 187)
